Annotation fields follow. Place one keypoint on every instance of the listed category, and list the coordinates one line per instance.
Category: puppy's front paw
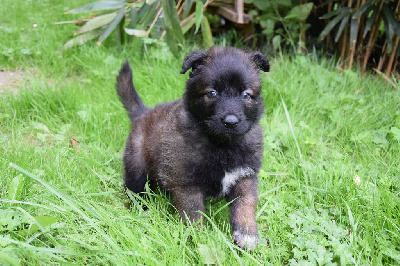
(245, 240)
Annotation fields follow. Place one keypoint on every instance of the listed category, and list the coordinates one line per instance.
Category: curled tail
(127, 93)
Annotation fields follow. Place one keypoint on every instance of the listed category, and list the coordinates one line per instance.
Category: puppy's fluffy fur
(207, 144)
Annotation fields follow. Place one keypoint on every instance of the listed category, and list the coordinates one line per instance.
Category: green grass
(61, 205)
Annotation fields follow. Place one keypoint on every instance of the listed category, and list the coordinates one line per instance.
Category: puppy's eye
(211, 94)
(246, 95)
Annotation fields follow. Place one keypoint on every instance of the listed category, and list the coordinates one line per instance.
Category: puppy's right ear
(260, 60)
(193, 60)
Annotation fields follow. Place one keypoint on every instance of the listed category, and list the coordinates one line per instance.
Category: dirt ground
(9, 80)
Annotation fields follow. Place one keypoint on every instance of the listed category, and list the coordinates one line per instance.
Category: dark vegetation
(365, 32)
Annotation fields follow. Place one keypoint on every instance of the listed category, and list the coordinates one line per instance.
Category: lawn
(329, 185)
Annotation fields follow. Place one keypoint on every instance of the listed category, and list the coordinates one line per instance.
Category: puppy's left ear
(193, 60)
(260, 60)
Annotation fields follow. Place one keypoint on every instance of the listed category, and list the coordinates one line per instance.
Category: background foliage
(367, 30)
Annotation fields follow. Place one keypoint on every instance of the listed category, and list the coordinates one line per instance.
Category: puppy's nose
(231, 121)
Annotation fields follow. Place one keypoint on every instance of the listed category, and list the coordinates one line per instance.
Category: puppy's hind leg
(190, 202)
(135, 175)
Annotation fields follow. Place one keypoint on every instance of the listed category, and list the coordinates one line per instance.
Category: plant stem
(372, 37)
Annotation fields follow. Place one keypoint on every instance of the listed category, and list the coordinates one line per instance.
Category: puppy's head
(223, 92)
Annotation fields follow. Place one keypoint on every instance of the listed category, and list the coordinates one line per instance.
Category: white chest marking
(232, 177)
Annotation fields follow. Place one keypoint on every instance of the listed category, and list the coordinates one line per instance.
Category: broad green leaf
(136, 14)
(276, 42)
(171, 21)
(96, 23)
(391, 25)
(391, 19)
(389, 30)
(269, 26)
(172, 44)
(199, 14)
(174, 36)
(333, 23)
(262, 4)
(342, 26)
(369, 23)
(15, 187)
(336, 12)
(206, 32)
(149, 16)
(81, 39)
(96, 6)
(379, 138)
(362, 9)
(118, 18)
(11, 220)
(300, 12)
(211, 255)
(42, 137)
(188, 6)
(187, 23)
(396, 133)
(150, 2)
(43, 221)
(136, 32)
(41, 127)
(353, 31)
(283, 3)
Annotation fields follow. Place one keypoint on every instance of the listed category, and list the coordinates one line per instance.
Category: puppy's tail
(127, 93)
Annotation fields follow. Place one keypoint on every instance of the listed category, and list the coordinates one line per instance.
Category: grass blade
(291, 128)
(56, 209)
(54, 191)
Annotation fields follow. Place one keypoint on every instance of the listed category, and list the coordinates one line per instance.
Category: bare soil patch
(10, 79)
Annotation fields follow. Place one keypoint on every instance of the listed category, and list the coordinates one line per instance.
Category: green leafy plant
(318, 238)
(143, 19)
(282, 21)
(358, 27)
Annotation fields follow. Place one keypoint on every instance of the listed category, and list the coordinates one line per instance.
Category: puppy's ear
(193, 60)
(260, 60)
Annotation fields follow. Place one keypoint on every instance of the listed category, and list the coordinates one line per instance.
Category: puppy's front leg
(243, 212)
(188, 201)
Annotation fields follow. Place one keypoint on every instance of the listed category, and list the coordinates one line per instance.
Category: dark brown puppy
(207, 144)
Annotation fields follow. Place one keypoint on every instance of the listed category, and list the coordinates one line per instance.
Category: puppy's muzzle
(230, 121)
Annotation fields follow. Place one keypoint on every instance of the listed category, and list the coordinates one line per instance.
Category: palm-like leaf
(97, 6)
(341, 14)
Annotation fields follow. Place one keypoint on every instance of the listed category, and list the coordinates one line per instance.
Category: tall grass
(329, 185)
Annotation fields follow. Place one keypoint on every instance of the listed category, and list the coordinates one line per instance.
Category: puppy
(207, 144)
